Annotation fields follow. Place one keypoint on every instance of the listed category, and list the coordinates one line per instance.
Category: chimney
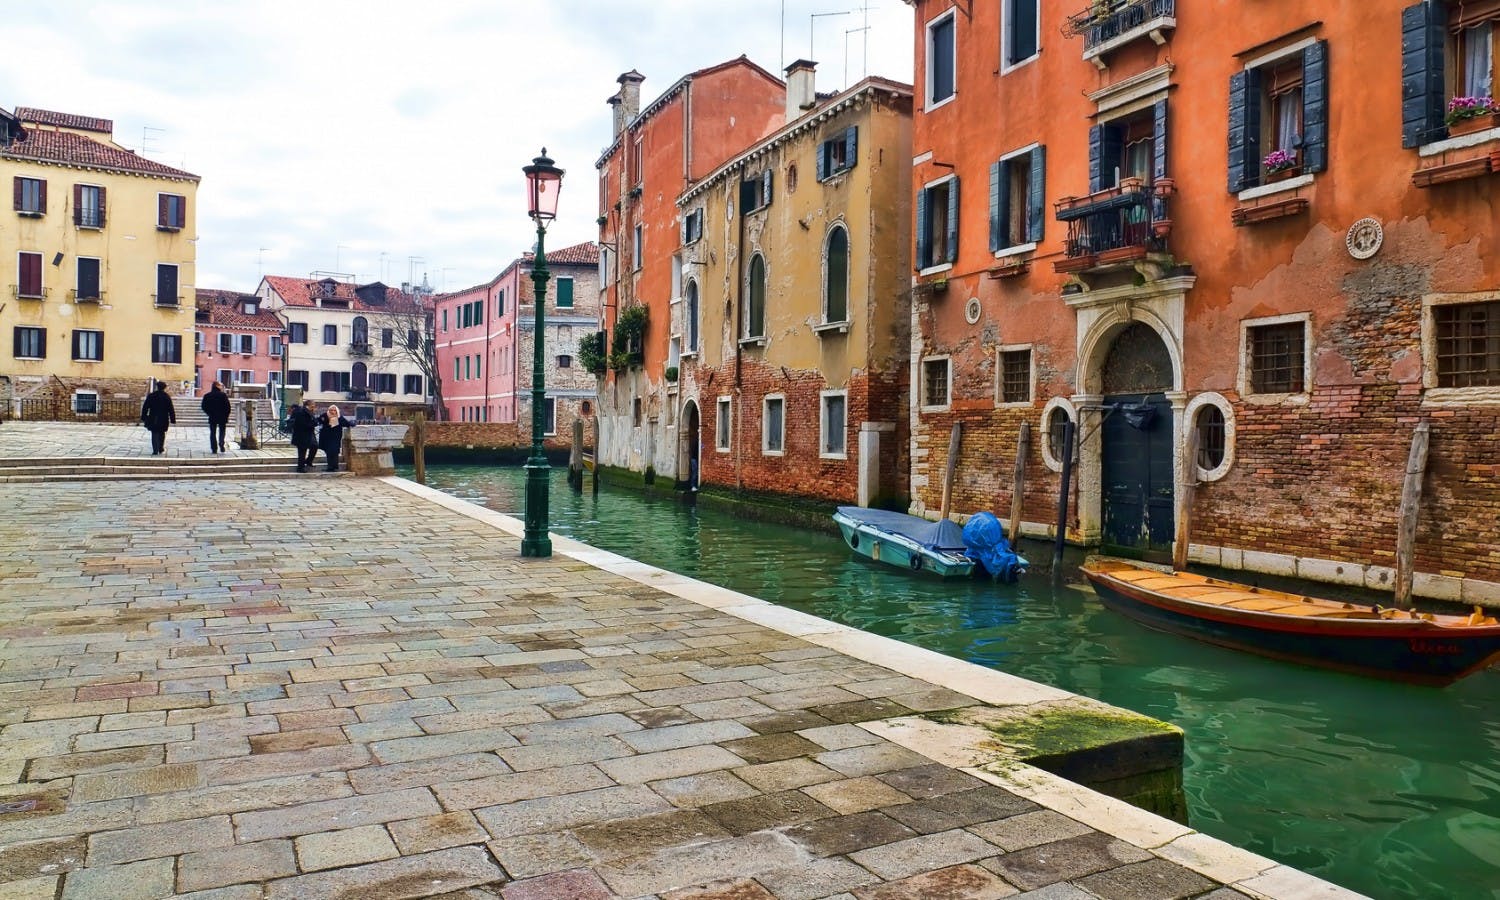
(801, 88)
(617, 108)
(630, 95)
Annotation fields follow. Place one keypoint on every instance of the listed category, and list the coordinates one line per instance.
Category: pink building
(238, 342)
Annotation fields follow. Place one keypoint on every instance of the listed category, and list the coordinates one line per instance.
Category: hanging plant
(591, 354)
(629, 336)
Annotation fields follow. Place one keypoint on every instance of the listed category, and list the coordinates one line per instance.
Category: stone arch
(1100, 340)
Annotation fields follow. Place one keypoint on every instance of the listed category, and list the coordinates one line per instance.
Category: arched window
(360, 378)
(361, 330)
(1211, 445)
(755, 306)
(836, 276)
(1057, 422)
(692, 317)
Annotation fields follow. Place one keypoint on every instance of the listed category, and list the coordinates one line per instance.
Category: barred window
(1210, 422)
(1015, 376)
(1277, 358)
(935, 382)
(1057, 424)
(1468, 344)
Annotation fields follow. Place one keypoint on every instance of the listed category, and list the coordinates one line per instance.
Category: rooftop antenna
(383, 255)
(813, 20)
(783, 37)
(146, 148)
(260, 263)
(411, 268)
(848, 32)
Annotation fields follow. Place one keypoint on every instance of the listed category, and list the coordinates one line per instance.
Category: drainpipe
(489, 367)
(739, 288)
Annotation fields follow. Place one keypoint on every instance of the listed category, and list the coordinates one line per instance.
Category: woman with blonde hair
(331, 435)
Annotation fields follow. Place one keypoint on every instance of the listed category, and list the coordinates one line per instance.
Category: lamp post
(281, 411)
(543, 183)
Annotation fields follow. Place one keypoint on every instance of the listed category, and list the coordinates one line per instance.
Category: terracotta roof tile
(307, 291)
(584, 254)
(68, 148)
(227, 308)
(64, 120)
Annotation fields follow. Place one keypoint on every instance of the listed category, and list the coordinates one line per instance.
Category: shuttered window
(1280, 106)
(88, 206)
(166, 284)
(564, 292)
(171, 212)
(166, 349)
(226, 343)
(29, 342)
(31, 196)
(940, 59)
(1017, 199)
(29, 275)
(838, 154)
(937, 224)
(755, 192)
(88, 278)
(755, 305)
(1020, 30)
(88, 345)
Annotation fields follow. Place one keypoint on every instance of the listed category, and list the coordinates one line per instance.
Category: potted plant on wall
(1279, 164)
(671, 374)
(1466, 115)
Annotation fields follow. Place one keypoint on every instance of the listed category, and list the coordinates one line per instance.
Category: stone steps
(99, 468)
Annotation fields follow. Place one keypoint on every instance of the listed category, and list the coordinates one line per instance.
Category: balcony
(359, 349)
(1110, 24)
(166, 301)
(28, 292)
(94, 296)
(358, 394)
(1115, 227)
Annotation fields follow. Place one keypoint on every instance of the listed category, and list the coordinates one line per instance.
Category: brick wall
(985, 473)
(493, 435)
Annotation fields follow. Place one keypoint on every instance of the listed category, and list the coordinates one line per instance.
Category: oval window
(1211, 447)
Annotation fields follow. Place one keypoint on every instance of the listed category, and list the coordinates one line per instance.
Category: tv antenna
(812, 20)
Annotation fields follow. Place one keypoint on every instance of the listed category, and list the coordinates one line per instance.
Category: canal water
(1387, 789)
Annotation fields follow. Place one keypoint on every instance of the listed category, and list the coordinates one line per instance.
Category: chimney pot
(801, 88)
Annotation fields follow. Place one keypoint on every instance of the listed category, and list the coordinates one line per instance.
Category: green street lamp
(544, 183)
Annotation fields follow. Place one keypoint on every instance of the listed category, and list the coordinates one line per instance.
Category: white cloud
(353, 136)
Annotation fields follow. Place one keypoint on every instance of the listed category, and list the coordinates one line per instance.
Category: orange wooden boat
(1423, 648)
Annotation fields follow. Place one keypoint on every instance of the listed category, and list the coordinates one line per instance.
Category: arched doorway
(1136, 445)
(687, 450)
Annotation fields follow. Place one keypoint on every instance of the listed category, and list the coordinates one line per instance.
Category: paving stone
(854, 795)
(1154, 879)
(530, 855)
(581, 726)
(863, 711)
(693, 791)
(931, 780)
(1029, 829)
(904, 859)
(244, 863)
(664, 717)
(570, 810)
(453, 829)
(563, 753)
(688, 735)
(133, 737)
(764, 748)
(348, 847)
(766, 811)
(237, 798)
(274, 765)
(42, 887)
(785, 775)
(1066, 860)
(959, 809)
(436, 745)
(500, 789)
(643, 834)
(83, 819)
(156, 780)
(423, 772)
(874, 759)
(841, 835)
(325, 815)
(42, 858)
(816, 879)
(679, 867)
(147, 880)
(301, 739)
(669, 764)
(409, 876)
(579, 884)
(722, 889)
(966, 882)
(164, 839)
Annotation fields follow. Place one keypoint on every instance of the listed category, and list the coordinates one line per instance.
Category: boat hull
(895, 550)
(1410, 650)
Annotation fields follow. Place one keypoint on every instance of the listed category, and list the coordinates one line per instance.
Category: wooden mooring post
(419, 447)
(1411, 501)
(953, 439)
(575, 457)
(1062, 497)
(1018, 483)
(1187, 486)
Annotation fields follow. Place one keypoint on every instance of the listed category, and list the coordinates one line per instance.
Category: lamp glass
(544, 183)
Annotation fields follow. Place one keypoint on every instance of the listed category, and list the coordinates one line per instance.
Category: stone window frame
(929, 104)
(1045, 443)
(823, 451)
(1300, 398)
(1432, 394)
(947, 387)
(840, 325)
(1000, 351)
(1006, 65)
(1190, 417)
(82, 412)
(724, 424)
(765, 423)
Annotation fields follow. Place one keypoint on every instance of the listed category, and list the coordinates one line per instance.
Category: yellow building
(100, 252)
(790, 338)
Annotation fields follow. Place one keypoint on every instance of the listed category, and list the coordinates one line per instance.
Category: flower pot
(1161, 227)
(1471, 125)
(1164, 187)
(1130, 185)
(1280, 174)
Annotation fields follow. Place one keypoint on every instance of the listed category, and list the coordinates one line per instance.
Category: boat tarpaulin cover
(986, 542)
(943, 535)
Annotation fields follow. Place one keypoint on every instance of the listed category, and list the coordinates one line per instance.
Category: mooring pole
(1018, 483)
(953, 439)
(575, 457)
(1186, 487)
(419, 447)
(1062, 496)
(1411, 500)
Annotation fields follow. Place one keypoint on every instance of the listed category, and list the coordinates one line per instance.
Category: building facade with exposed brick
(793, 355)
(702, 120)
(1256, 222)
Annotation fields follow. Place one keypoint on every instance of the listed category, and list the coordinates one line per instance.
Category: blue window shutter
(1096, 153)
(997, 206)
(1422, 40)
(1105, 143)
(924, 243)
(1037, 201)
(765, 198)
(1159, 139)
(1315, 107)
(823, 160)
(851, 146)
(1244, 129)
(952, 221)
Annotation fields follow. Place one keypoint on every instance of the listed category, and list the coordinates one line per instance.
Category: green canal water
(1389, 790)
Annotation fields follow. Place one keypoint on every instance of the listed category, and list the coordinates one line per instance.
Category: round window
(1211, 441)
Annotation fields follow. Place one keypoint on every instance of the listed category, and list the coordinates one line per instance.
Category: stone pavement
(70, 439)
(237, 690)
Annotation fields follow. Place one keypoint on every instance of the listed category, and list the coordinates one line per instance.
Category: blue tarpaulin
(985, 541)
(943, 535)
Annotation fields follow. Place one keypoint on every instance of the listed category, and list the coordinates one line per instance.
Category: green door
(1136, 477)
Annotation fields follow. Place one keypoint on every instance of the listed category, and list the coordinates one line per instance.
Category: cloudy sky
(385, 139)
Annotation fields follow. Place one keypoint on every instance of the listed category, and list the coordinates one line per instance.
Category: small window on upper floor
(755, 192)
(1017, 199)
(565, 292)
(1277, 358)
(1278, 117)
(937, 223)
(838, 153)
(31, 196)
(1022, 32)
(941, 55)
(88, 206)
(836, 275)
(171, 212)
(692, 226)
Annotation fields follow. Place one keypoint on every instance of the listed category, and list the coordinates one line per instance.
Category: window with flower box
(1447, 67)
(1278, 116)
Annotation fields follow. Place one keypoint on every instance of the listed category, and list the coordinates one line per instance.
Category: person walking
(216, 407)
(331, 435)
(158, 414)
(304, 423)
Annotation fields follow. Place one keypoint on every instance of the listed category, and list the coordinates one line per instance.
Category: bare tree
(410, 318)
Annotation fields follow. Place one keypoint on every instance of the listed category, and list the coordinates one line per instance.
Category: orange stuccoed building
(1269, 225)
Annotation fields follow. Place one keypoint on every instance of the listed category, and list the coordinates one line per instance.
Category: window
(412, 339)
(166, 349)
(564, 361)
(791, 178)
(387, 338)
(468, 367)
(637, 166)
(1017, 199)
(31, 196)
(1015, 375)
(88, 279)
(1279, 103)
(721, 426)
(692, 317)
(755, 307)
(383, 382)
(836, 275)
(225, 377)
(226, 343)
(297, 333)
(935, 382)
(1474, 56)
(29, 276)
(549, 415)
(1447, 52)
(479, 311)
(330, 335)
(457, 369)
(335, 381)
(86, 403)
(586, 408)
(1021, 31)
(773, 425)
(940, 58)
(500, 304)
(276, 346)
(445, 320)
(297, 377)
(1211, 436)
(412, 384)
(637, 250)
(1468, 344)
(88, 345)
(692, 226)
(247, 344)
(937, 223)
(30, 343)
(360, 333)
(755, 192)
(166, 285)
(834, 423)
(171, 212)
(838, 153)
(635, 412)
(564, 292)
(1277, 358)
(273, 378)
(88, 206)
(1057, 434)
(197, 342)
(246, 377)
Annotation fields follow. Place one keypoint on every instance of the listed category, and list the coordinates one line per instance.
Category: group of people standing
(311, 431)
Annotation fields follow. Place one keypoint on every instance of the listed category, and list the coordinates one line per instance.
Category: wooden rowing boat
(1418, 647)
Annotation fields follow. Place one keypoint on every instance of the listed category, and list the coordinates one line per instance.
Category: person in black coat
(304, 424)
(158, 414)
(216, 407)
(331, 435)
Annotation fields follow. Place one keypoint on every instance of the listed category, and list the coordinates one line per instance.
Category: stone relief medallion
(972, 309)
(1364, 238)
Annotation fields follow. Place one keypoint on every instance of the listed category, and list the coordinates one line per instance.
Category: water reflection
(1390, 790)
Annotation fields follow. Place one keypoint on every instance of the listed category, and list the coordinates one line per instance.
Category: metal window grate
(1468, 344)
(1211, 437)
(935, 382)
(1015, 376)
(1277, 358)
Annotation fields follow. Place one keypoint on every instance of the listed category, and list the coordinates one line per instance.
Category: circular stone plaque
(972, 310)
(1364, 238)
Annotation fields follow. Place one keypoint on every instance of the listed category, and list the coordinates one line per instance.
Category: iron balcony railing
(1130, 215)
(166, 301)
(28, 292)
(1105, 20)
